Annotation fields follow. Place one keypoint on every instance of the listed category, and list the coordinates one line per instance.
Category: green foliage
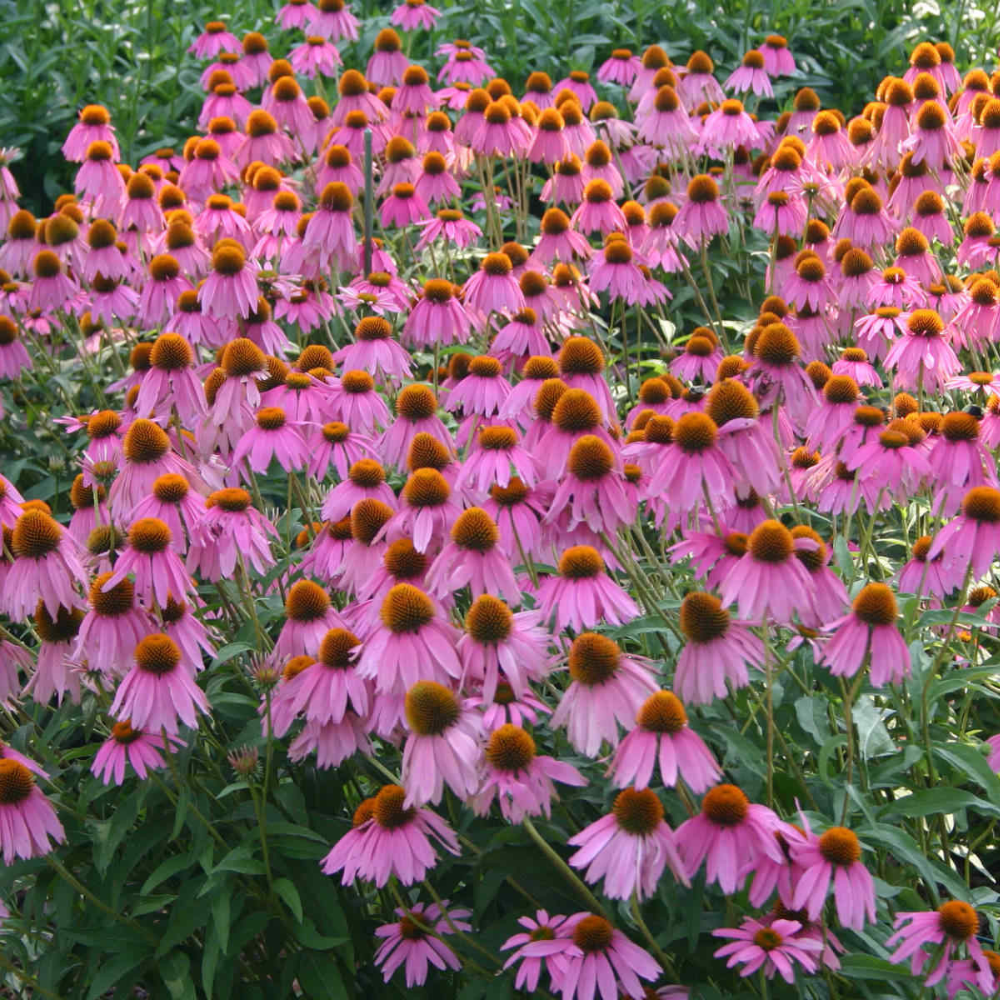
(130, 56)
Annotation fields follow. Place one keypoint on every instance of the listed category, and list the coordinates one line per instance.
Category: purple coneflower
(608, 688)
(159, 691)
(388, 839)
(662, 735)
(869, 632)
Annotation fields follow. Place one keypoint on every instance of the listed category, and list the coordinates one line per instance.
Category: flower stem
(564, 869)
(658, 953)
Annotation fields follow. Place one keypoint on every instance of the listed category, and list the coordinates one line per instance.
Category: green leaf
(284, 888)
(873, 738)
(175, 971)
(307, 934)
(938, 802)
(859, 966)
(320, 977)
(209, 960)
(239, 860)
(810, 711)
(163, 871)
(969, 761)
(114, 969)
(221, 916)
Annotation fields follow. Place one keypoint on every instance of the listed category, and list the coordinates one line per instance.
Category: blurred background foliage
(131, 56)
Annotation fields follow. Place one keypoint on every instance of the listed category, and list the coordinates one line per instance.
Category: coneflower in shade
(10, 501)
(112, 627)
(99, 181)
(426, 513)
(52, 288)
(542, 927)
(769, 580)
(829, 596)
(438, 318)
(725, 128)
(28, 823)
(699, 471)
(179, 622)
(717, 652)
(629, 848)
(582, 595)
(614, 271)
(94, 125)
(731, 834)
(598, 211)
(662, 736)
(57, 670)
(506, 708)
(499, 646)
(473, 558)
(517, 510)
(230, 290)
(964, 974)
(327, 689)
(272, 436)
(309, 615)
(417, 938)
(608, 688)
(699, 361)
(833, 857)
(970, 541)
(412, 642)
(159, 691)
(375, 352)
(388, 839)
(592, 490)
(46, 566)
(776, 946)
(228, 529)
(563, 416)
(752, 74)
(588, 954)
(356, 404)
(154, 561)
(143, 750)
(869, 633)
(171, 380)
(744, 440)
(558, 240)
(365, 479)
(480, 393)
(777, 372)
(702, 215)
(89, 509)
(493, 288)
(330, 543)
(442, 747)
(959, 461)
(494, 457)
(933, 577)
(940, 935)
(518, 777)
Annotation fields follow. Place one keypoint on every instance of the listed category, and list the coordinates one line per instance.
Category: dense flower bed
(541, 534)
